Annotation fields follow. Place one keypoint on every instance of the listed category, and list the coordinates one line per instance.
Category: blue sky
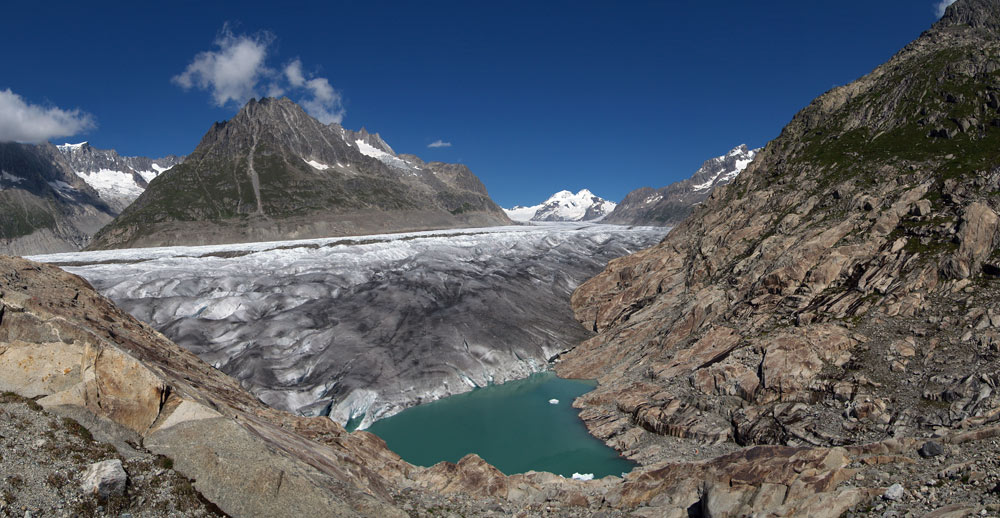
(534, 97)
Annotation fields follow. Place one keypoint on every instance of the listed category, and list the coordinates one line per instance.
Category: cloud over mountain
(24, 122)
(238, 70)
(941, 6)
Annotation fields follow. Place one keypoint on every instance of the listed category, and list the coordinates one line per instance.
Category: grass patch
(162, 461)
(77, 429)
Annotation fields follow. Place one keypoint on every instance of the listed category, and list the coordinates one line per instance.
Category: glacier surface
(363, 327)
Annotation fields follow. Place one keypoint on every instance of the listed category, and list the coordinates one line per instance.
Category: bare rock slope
(843, 289)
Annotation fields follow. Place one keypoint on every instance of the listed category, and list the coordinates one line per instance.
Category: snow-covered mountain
(669, 205)
(565, 206)
(118, 180)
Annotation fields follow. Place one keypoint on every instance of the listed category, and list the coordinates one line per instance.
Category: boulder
(105, 479)
(931, 449)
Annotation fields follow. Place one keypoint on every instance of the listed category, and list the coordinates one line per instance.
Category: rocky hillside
(184, 430)
(669, 205)
(843, 289)
(44, 206)
(565, 206)
(119, 180)
(273, 172)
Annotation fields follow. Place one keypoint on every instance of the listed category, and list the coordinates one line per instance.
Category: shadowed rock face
(44, 206)
(364, 328)
(843, 288)
(273, 172)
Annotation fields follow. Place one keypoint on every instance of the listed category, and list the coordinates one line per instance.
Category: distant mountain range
(119, 180)
(565, 206)
(273, 172)
(669, 205)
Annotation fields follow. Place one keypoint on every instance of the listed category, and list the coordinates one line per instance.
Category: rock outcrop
(272, 172)
(669, 205)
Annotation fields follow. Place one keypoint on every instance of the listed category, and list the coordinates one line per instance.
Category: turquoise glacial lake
(517, 426)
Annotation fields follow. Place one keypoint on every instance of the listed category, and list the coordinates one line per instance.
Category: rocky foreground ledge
(75, 354)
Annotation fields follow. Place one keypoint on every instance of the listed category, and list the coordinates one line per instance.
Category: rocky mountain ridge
(272, 172)
(119, 180)
(669, 205)
(44, 206)
(841, 290)
(565, 206)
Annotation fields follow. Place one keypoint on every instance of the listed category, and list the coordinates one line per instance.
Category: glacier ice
(363, 327)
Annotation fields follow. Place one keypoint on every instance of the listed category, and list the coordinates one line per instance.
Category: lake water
(518, 426)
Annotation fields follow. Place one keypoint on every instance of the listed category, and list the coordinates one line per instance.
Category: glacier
(361, 328)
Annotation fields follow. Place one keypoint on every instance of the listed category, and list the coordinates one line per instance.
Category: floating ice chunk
(553, 401)
(583, 476)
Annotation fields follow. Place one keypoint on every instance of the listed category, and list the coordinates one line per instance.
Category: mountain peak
(671, 204)
(277, 170)
(974, 13)
(269, 106)
(565, 206)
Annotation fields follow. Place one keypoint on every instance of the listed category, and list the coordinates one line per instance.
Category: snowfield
(362, 327)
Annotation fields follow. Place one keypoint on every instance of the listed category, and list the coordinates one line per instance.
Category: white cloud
(941, 6)
(238, 70)
(294, 73)
(439, 143)
(325, 104)
(233, 71)
(23, 122)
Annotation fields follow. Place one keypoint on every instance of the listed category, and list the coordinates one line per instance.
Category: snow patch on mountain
(159, 169)
(63, 189)
(386, 158)
(519, 213)
(112, 184)
(66, 148)
(564, 206)
(724, 176)
(118, 180)
(317, 165)
(10, 178)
